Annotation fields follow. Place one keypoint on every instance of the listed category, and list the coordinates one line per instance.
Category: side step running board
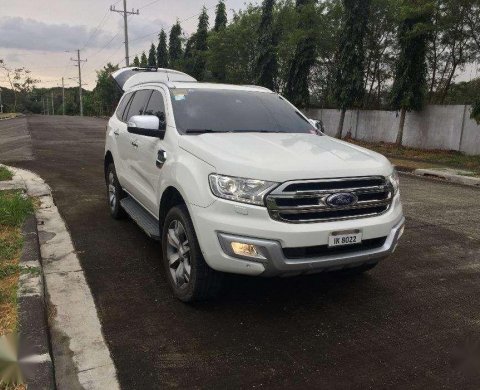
(142, 217)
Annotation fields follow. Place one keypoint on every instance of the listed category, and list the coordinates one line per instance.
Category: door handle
(135, 144)
(116, 132)
(161, 158)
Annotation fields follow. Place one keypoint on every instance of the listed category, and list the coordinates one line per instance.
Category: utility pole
(79, 64)
(1, 104)
(43, 105)
(63, 97)
(53, 107)
(48, 109)
(125, 23)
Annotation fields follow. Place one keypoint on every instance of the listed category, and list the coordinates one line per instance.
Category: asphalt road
(410, 323)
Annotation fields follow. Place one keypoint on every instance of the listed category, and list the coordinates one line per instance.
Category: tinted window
(121, 107)
(235, 111)
(156, 106)
(139, 101)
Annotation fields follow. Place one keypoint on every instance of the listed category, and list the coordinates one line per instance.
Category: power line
(95, 31)
(149, 4)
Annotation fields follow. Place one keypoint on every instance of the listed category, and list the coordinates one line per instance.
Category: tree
(410, 85)
(106, 94)
(152, 56)
(20, 81)
(175, 52)
(220, 16)
(297, 90)
(136, 61)
(349, 79)
(201, 46)
(188, 63)
(476, 111)
(162, 51)
(267, 65)
(143, 60)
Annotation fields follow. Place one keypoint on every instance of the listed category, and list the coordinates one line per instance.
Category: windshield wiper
(257, 131)
(200, 131)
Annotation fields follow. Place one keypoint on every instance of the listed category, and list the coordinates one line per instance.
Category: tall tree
(162, 51)
(106, 94)
(220, 16)
(175, 52)
(267, 63)
(20, 80)
(152, 56)
(143, 60)
(410, 85)
(136, 61)
(189, 55)
(297, 89)
(201, 46)
(349, 80)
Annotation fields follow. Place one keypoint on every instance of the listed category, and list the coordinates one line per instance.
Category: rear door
(121, 137)
(130, 142)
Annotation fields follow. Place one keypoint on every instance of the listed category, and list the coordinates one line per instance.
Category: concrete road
(408, 324)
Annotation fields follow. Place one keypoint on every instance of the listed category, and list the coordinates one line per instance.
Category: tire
(114, 193)
(189, 276)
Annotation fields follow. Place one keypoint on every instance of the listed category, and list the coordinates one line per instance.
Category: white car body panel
(275, 157)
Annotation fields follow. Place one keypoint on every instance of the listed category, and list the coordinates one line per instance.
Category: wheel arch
(171, 197)
(107, 161)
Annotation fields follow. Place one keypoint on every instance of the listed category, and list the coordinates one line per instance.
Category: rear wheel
(114, 193)
(189, 276)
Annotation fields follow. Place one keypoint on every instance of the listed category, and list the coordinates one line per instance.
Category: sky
(42, 35)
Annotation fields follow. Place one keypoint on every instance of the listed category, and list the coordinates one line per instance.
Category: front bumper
(254, 223)
(275, 262)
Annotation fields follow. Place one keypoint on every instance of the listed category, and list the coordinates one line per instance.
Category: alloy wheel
(178, 253)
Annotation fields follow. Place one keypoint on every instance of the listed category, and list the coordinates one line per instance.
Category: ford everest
(235, 179)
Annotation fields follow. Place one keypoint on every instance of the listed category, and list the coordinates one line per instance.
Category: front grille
(306, 201)
(324, 250)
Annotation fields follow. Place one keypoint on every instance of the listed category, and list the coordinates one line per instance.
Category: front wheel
(189, 276)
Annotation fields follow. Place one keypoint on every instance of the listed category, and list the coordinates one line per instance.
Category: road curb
(81, 357)
(440, 176)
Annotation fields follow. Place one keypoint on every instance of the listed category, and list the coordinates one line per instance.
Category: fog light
(248, 250)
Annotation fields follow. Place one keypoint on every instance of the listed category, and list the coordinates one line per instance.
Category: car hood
(281, 157)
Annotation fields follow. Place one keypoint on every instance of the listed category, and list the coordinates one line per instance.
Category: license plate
(345, 238)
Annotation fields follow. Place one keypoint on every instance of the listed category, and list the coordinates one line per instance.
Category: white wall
(436, 127)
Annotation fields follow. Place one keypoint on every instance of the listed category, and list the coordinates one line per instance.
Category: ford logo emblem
(343, 199)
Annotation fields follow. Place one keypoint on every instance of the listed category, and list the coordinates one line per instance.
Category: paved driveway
(401, 326)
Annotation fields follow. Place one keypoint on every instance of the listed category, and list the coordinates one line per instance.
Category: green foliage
(410, 85)
(220, 16)
(5, 174)
(235, 48)
(136, 61)
(349, 80)
(267, 66)
(152, 56)
(106, 94)
(175, 51)
(143, 60)
(297, 89)
(476, 110)
(201, 47)
(162, 51)
(14, 208)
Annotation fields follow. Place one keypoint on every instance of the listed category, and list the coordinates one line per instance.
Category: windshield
(199, 110)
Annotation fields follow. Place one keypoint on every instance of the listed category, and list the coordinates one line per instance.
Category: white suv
(235, 179)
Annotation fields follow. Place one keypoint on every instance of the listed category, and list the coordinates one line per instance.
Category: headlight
(240, 190)
(394, 180)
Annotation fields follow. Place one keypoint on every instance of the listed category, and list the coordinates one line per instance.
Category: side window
(156, 106)
(122, 105)
(139, 101)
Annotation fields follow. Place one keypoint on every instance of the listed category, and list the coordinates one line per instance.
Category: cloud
(30, 34)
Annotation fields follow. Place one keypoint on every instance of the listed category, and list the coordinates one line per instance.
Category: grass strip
(5, 174)
(15, 207)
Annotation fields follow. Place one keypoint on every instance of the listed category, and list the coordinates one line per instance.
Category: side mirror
(148, 125)
(318, 125)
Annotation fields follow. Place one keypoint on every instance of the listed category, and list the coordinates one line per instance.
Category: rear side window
(156, 106)
(121, 106)
(139, 101)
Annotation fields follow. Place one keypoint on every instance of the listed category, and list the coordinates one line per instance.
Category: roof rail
(127, 78)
